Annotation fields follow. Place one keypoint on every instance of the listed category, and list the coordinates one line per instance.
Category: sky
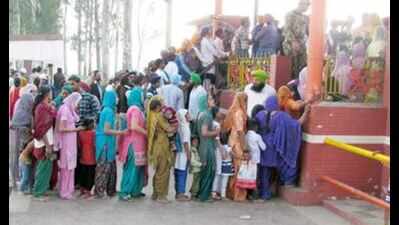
(184, 11)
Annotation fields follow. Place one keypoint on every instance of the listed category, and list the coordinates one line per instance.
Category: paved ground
(23, 210)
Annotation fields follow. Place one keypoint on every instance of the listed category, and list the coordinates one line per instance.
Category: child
(246, 178)
(87, 158)
(254, 143)
(170, 115)
(223, 160)
(25, 168)
(195, 166)
(224, 169)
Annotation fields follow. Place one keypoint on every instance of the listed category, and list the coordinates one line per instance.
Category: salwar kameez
(235, 122)
(42, 177)
(105, 178)
(133, 177)
(207, 149)
(159, 153)
(67, 185)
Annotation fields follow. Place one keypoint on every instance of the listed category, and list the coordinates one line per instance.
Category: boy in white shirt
(255, 144)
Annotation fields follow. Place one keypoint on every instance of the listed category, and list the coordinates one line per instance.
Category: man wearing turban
(258, 91)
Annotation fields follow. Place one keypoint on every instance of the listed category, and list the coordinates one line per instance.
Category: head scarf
(135, 98)
(184, 125)
(239, 105)
(283, 95)
(202, 103)
(195, 78)
(271, 103)
(260, 75)
(67, 88)
(23, 111)
(109, 99)
(107, 115)
(152, 120)
(24, 81)
(175, 79)
(71, 102)
(28, 89)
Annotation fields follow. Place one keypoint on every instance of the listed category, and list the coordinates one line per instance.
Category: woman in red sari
(44, 115)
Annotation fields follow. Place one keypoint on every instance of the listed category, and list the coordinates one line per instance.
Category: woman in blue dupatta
(105, 178)
(282, 134)
(207, 147)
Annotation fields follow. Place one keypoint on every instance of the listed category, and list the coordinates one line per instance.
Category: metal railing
(348, 84)
(384, 159)
(239, 70)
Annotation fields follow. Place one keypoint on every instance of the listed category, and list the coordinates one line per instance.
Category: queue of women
(230, 155)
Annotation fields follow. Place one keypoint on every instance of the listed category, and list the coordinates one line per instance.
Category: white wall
(47, 51)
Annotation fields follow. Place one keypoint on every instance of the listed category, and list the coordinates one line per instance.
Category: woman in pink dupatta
(133, 156)
(66, 143)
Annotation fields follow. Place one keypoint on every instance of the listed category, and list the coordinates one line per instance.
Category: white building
(30, 51)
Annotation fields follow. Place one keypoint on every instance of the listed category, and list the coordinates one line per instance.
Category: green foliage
(35, 16)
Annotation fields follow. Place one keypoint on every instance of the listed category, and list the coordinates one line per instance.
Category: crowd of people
(70, 133)
(74, 139)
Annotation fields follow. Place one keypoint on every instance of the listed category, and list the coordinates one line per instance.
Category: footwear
(41, 198)
(125, 198)
(163, 200)
(182, 197)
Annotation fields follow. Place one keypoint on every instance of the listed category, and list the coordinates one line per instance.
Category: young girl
(182, 155)
(195, 167)
(223, 169)
(246, 178)
(254, 144)
(170, 115)
(25, 168)
(87, 157)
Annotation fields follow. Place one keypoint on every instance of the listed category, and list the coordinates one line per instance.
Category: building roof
(36, 37)
(232, 20)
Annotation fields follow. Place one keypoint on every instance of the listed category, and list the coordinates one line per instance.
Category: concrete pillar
(168, 23)
(217, 13)
(316, 48)
(256, 6)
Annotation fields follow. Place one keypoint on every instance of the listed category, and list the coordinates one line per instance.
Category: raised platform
(357, 212)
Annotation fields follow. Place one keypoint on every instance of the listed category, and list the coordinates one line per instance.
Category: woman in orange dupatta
(288, 104)
(235, 123)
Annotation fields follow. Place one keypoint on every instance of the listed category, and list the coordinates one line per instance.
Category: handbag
(227, 167)
(246, 177)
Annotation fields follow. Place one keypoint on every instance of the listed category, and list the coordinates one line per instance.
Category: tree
(127, 36)
(105, 39)
(97, 32)
(66, 3)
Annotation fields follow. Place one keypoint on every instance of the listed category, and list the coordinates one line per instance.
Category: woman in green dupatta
(159, 153)
(66, 90)
(207, 147)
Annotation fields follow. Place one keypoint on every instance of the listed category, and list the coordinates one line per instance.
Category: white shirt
(220, 48)
(173, 96)
(164, 77)
(181, 157)
(209, 53)
(171, 68)
(227, 150)
(50, 138)
(193, 103)
(257, 98)
(302, 82)
(255, 144)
